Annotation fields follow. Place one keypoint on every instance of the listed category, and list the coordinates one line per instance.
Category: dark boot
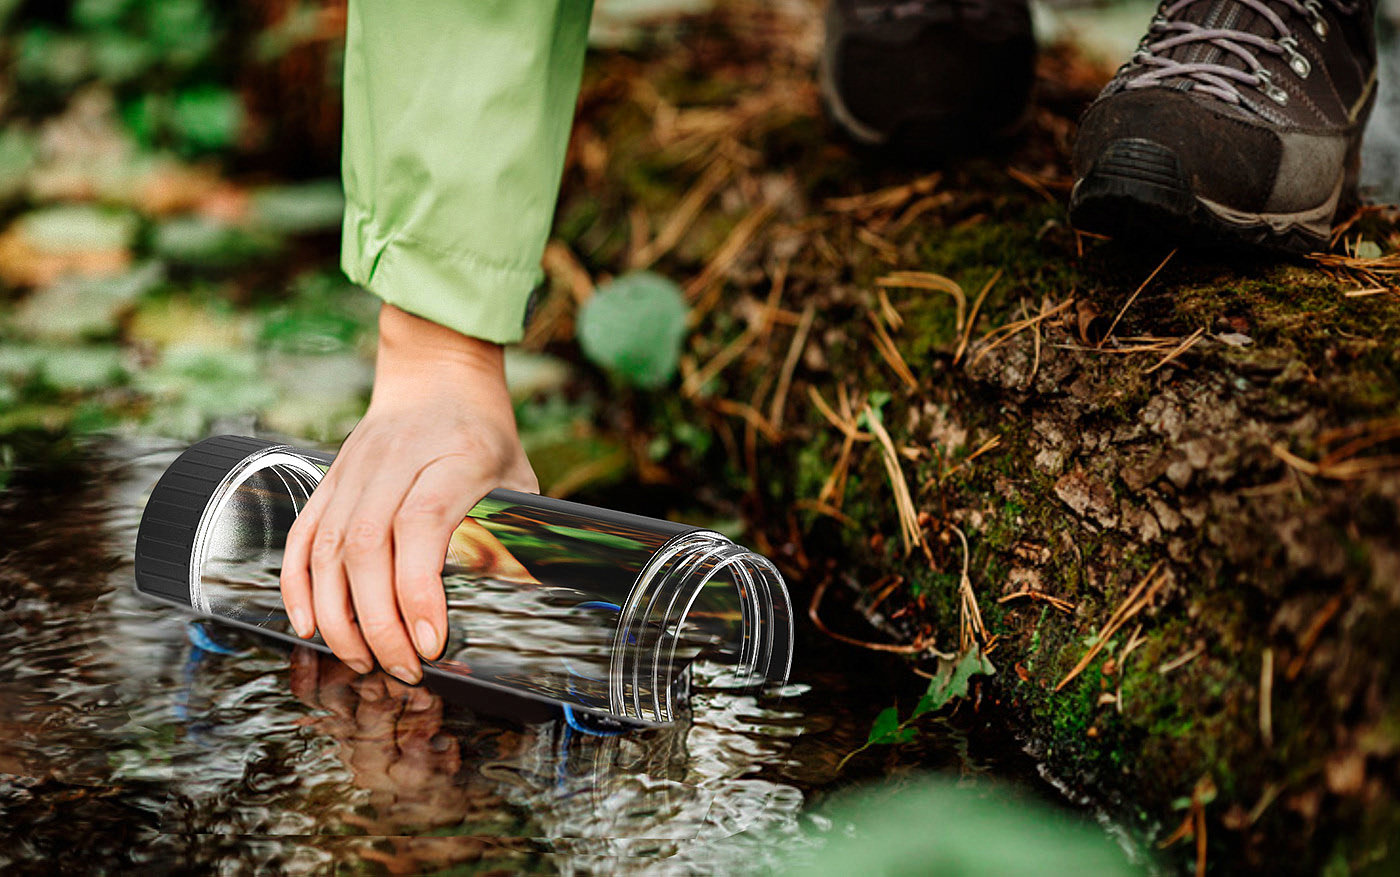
(927, 74)
(1235, 121)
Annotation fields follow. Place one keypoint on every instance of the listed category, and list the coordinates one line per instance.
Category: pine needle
(972, 317)
(1136, 601)
(1132, 298)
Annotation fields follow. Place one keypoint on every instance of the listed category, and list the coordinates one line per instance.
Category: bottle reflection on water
(597, 609)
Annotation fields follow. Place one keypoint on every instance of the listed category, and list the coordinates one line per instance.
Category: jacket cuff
(461, 290)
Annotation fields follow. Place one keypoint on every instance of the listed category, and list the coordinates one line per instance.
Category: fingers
(305, 674)
(434, 506)
(296, 557)
(330, 597)
(369, 564)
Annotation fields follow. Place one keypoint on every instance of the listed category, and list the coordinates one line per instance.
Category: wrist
(418, 353)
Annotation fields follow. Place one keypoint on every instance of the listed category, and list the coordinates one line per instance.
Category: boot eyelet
(1270, 89)
(1319, 23)
(1297, 61)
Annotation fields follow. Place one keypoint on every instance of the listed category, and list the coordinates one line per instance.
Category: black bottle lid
(165, 539)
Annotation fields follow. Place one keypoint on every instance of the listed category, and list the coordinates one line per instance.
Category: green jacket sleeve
(457, 116)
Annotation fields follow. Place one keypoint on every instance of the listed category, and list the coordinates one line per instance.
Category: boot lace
(1222, 80)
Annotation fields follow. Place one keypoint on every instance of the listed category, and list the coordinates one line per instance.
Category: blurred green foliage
(160, 57)
(938, 826)
(634, 328)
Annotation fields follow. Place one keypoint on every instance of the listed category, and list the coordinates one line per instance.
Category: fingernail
(360, 666)
(301, 623)
(419, 699)
(411, 676)
(427, 638)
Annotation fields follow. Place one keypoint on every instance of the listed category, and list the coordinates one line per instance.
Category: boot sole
(1137, 189)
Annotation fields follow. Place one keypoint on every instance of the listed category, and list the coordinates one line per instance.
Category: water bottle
(599, 610)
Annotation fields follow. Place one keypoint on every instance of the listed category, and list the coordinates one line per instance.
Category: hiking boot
(927, 74)
(1234, 121)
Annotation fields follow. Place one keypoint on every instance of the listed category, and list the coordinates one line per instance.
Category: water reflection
(165, 743)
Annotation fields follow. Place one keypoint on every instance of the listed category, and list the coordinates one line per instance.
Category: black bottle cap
(165, 539)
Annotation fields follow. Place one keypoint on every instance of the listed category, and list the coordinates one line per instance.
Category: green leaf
(877, 401)
(952, 679)
(885, 724)
(634, 326)
(1368, 250)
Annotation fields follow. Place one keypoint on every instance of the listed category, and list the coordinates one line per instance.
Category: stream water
(133, 738)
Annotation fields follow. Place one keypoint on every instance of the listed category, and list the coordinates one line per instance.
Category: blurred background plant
(168, 255)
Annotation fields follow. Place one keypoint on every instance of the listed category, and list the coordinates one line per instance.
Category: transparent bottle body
(601, 610)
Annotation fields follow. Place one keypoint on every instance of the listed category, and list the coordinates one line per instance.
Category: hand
(390, 737)
(364, 558)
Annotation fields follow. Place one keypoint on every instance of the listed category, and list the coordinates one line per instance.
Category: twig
(885, 589)
(827, 509)
(1311, 636)
(1132, 298)
(917, 209)
(1035, 363)
(1195, 822)
(888, 251)
(888, 311)
(919, 646)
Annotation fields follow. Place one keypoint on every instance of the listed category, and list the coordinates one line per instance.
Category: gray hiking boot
(1235, 121)
(927, 75)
